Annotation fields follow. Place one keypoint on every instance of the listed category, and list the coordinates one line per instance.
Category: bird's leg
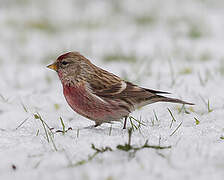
(125, 122)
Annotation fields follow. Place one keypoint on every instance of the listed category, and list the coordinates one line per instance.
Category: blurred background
(36, 32)
(154, 43)
(170, 45)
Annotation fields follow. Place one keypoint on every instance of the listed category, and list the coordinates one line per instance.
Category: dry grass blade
(176, 129)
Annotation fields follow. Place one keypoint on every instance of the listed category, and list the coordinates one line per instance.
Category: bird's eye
(64, 63)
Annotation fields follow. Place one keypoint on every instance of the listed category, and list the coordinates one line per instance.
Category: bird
(99, 95)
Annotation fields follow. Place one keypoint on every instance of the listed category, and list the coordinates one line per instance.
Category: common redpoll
(100, 95)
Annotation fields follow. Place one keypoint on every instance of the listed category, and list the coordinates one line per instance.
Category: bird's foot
(92, 126)
(96, 125)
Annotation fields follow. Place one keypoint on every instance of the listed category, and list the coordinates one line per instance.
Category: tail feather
(173, 100)
(156, 92)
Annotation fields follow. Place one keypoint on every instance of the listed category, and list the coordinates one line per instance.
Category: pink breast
(86, 104)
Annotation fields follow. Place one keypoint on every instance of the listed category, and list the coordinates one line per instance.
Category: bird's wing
(133, 94)
(123, 89)
(111, 90)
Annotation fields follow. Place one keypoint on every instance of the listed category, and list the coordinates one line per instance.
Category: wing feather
(126, 91)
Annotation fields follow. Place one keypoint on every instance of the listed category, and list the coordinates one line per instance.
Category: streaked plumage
(100, 95)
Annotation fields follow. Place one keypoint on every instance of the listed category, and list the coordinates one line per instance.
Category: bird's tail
(173, 100)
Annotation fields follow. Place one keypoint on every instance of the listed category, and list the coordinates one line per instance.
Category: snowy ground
(172, 45)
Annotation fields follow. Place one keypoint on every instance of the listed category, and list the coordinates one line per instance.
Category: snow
(173, 45)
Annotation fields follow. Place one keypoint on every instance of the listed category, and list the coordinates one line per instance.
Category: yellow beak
(53, 66)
